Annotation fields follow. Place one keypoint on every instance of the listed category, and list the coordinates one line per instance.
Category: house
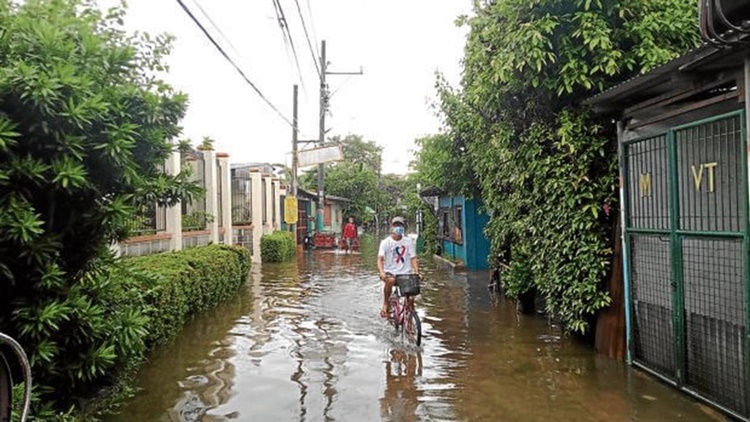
(305, 226)
(461, 224)
(323, 232)
(331, 228)
(683, 150)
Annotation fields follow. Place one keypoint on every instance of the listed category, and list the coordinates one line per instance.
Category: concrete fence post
(276, 206)
(256, 180)
(212, 194)
(225, 182)
(174, 213)
(268, 204)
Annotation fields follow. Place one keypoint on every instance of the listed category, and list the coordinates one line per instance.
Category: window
(458, 236)
(450, 225)
(444, 223)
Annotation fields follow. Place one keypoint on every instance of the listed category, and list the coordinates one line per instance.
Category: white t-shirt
(398, 255)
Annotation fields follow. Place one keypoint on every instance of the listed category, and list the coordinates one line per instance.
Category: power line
(309, 44)
(216, 27)
(288, 36)
(312, 24)
(280, 21)
(340, 86)
(229, 59)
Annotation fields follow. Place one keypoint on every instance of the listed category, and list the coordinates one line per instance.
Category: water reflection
(303, 342)
(401, 396)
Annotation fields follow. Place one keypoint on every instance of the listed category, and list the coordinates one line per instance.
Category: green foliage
(177, 285)
(544, 168)
(196, 220)
(277, 247)
(518, 278)
(549, 48)
(358, 178)
(440, 162)
(85, 126)
(140, 302)
(42, 411)
(429, 230)
(354, 178)
(207, 144)
(358, 151)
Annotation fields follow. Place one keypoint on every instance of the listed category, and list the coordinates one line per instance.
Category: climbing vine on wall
(544, 167)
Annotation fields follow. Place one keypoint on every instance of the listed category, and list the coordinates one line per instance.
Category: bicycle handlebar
(26, 367)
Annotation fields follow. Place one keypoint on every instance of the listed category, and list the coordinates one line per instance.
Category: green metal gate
(686, 239)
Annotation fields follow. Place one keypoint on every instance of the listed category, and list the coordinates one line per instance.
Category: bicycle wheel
(6, 390)
(412, 328)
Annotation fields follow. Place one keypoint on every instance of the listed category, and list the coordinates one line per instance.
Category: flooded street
(304, 342)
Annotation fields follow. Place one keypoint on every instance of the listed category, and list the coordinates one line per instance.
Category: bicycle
(403, 316)
(6, 379)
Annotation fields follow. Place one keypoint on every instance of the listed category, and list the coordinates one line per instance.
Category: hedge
(277, 247)
(178, 285)
(132, 304)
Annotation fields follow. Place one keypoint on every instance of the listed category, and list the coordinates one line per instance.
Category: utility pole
(322, 129)
(322, 135)
(294, 154)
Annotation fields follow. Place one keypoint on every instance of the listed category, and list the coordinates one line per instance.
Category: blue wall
(476, 242)
(476, 247)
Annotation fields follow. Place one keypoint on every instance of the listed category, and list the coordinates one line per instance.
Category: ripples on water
(303, 342)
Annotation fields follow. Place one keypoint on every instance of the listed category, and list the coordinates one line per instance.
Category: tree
(440, 162)
(545, 168)
(358, 151)
(85, 126)
(355, 177)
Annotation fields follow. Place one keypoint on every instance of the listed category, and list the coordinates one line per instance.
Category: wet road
(303, 342)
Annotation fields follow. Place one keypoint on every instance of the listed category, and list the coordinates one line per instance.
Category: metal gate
(686, 234)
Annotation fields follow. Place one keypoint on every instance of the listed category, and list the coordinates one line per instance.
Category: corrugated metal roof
(333, 198)
(704, 51)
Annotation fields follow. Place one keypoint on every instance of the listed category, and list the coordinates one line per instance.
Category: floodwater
(304, 342)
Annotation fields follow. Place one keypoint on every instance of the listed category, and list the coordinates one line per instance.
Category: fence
(687, 237)
(149, 220)
(194, 223)
(242, 199)
(194, 216)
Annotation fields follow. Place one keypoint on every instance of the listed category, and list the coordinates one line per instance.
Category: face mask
(398, 230)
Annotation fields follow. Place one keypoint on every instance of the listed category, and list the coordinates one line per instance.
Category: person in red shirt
(350, 233)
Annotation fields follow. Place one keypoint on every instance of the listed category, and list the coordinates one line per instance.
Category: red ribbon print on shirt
(400, 252)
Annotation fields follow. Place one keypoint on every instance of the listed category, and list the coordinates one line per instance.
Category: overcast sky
(399, 44)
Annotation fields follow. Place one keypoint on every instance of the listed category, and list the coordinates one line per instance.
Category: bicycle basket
(408, 284)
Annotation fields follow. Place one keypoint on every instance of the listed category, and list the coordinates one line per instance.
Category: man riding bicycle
(397, 256)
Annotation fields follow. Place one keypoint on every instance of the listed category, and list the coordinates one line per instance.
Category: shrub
(85, 124)
(178, 285)
(277, 247)
(126, 308)
(546, 169)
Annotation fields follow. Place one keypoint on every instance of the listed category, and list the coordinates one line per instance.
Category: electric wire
(284, 24)
(216, 27)
(307, 36)
(312, 26)
(229, 59)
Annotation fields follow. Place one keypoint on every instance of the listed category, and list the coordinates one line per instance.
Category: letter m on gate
(644, 181)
